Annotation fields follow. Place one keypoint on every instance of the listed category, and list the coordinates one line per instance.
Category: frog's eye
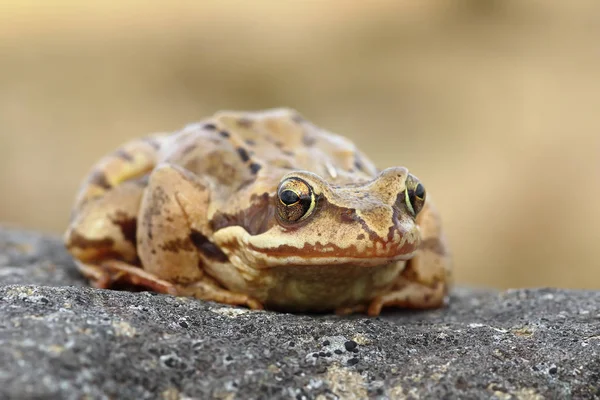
(289, 197)
(415, 195)
(296, 200)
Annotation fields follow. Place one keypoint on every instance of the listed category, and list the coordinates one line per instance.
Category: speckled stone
(74, 341)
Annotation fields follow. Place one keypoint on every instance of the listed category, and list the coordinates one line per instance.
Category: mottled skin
(262, 209)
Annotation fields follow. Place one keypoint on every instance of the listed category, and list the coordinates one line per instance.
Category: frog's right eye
(414, 195)
(296, 200)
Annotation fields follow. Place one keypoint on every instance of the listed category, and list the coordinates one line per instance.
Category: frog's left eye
(414, 195)
(289, 197)
(296, 200)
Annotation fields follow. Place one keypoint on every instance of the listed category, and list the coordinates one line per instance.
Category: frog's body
(260, 209)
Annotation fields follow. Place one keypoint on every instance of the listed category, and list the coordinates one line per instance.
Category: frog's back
(236, 146)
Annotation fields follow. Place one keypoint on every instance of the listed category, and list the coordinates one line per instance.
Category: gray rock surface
(35, 259)
(74, 342)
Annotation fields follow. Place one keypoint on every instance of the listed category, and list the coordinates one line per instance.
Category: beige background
(493, 104)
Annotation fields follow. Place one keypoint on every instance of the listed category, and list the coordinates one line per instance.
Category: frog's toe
(98, 277)
(412, 295)
(347, 310)
(254, 304)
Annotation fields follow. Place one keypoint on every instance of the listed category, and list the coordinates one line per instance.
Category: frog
(260, 209)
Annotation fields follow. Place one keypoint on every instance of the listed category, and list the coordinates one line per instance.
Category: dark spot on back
(127, 225)
(244, 122)
(245, 183)
(288, 153)
(255, 167)
(297, 118)
(98, 178)
(243, 154)
(122, 154)
(360, 237)
(152, 142)
(309, 140)
(278, 144)
(188, 149)
(209, 126)
(206, 247)
(225, 134)
(250, 142)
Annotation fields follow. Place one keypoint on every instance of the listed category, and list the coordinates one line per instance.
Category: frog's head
(312, 222)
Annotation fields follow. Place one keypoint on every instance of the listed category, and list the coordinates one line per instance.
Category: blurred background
(492, 103)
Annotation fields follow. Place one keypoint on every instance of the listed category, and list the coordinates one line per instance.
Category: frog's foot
(347, 310)
(209, 289)
(97, 276)
(408, 294)
(111, 272)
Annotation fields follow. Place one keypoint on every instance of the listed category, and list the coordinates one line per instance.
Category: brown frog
(262, 209)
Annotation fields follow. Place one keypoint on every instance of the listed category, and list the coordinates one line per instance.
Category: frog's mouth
(330, 254)
(276, 250)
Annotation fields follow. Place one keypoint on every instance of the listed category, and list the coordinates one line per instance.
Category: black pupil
(289, 197)
(420, 191)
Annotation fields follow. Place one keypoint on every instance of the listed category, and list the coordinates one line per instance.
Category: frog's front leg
(425, 281)
(173, 236)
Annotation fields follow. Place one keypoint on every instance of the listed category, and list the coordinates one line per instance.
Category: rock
(74, 341)
(34, 258)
